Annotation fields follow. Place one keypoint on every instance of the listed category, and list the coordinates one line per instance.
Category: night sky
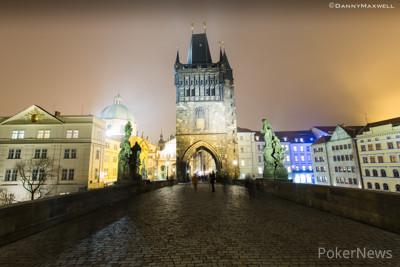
(295, 64)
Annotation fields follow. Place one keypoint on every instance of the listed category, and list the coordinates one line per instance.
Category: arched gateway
(205, 110)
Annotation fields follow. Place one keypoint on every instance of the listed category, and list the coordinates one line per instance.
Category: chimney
(57, 113)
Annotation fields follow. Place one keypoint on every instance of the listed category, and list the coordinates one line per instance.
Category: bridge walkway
(177, 226)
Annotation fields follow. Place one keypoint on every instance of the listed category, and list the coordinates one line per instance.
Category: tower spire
(220, 52)
(177, 55)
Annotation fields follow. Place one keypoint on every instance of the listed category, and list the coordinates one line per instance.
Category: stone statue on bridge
(128, 158)
(274, 154)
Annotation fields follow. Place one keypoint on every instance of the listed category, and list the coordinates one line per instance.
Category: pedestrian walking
(195, 181)
(212, 181)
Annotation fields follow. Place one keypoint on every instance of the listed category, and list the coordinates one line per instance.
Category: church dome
(117, 111)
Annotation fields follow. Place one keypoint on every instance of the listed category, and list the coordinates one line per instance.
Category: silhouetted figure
(195, 181)
(212, 181)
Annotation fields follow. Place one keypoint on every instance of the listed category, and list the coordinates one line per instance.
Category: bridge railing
(26, 218)
(381, 209)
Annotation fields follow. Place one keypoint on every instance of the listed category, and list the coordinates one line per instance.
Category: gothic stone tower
(205, 109)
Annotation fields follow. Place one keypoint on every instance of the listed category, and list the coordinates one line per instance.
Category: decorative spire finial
(204, 26)
(192, 27)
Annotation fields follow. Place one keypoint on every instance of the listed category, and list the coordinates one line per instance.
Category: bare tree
(35, 174)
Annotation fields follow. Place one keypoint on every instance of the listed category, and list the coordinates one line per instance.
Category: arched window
(375, 173)
(367, 173)
(396, 173)
(377, 186)
(369, 185)
(397, 187)
(385, 187)
(383, 173)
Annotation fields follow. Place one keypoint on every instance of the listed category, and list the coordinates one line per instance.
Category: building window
(342, 157)
(34, 174)
(69, 134)
(396, 173)
(398, 144)
(44, 153)
(295, 148)
(390, 145)
(393, 158)
(241, 150)
(333, 147)
(301, 148)
(73, 153)
(96, 174)
(302, 158)
(242, 162)
(46, 134)
(363, 148)
(115, 159)
(259, 159)
(76, 134)
(7, 176)
(296, 158)
(303, 168)
(40, 134)
(349, 146)
(365, 160)
(66, 154)
(287, 158)
(397, 187)
(383, 173)
(377, 186)
(378, 146)
(347, 157)
(369, 185)
(10, 153)
(14, 175)
(71, 174)
(372, 159)
(370, 147)
(310, 167)
(97, 154)
(21, 134)
(64, 174)
(41, 174)
(341, 147)
(380, 159)
(17, 154)
(14, 135)
(345, 146)
(385, 187)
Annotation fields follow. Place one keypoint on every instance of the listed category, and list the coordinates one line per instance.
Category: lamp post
(167, 163)
(234, 164)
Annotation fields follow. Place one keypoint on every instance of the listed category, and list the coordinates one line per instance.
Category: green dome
(117, 111)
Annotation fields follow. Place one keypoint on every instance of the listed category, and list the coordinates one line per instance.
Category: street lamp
(167, 163)
(234, 164)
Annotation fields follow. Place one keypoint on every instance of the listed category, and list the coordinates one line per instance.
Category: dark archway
(192, 150)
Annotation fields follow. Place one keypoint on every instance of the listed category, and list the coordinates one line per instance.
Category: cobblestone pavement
(177, 226)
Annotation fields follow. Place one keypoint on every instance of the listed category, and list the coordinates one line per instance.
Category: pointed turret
(226, 61)
(177, 56)
(221, 57)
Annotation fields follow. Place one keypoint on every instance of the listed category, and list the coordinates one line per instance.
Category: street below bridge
(178, 226)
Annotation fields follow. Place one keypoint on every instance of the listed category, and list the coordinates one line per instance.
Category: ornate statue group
(129, 159)
(274, 154)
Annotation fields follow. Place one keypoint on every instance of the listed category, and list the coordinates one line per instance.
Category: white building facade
(379, 155)
(74, 144)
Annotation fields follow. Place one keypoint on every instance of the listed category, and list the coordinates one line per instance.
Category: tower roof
(199, 52)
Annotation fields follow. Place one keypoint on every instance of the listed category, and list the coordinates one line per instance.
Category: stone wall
(23, 219)
(372, 207)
